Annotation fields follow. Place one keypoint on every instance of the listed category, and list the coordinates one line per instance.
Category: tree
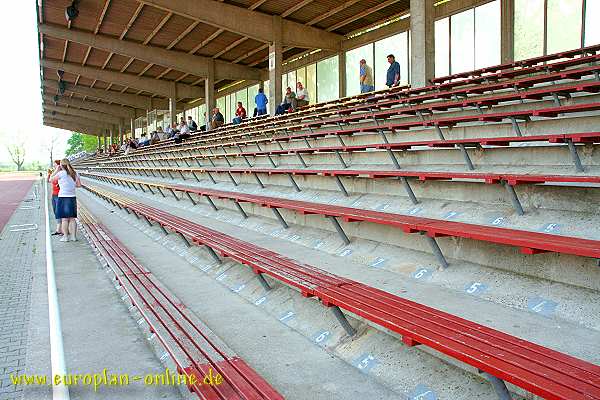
(80, 142)
(49, 146)
(17, 154)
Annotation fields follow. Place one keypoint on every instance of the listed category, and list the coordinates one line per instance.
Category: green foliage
(81, 142)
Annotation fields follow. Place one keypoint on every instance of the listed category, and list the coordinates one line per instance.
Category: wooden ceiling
(131, 20)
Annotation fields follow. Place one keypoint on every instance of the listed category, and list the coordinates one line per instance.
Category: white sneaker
(73, 238)
(65, 238)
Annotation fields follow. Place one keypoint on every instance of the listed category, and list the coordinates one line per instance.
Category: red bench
(191, 345)
(539, 370)
(528, 242)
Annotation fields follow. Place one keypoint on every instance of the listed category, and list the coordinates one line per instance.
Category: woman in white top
(66, 208)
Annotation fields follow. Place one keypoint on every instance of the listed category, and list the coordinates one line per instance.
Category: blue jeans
(366, 88)
(237, 120)
(262, 111)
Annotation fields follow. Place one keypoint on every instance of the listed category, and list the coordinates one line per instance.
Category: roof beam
(191, 64)
(70, 126)
(76, 112)
(158, 87)
(76, 120)
(249, 23)
(127, 99)
(111, 109)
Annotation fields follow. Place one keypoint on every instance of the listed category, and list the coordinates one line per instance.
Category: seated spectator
(302, 98)
(172, 130)
(261, 103)
(144, 141)
(240, 113)
(192, 124)
(288, 101)
(154, 138)
(123, 145)
(161, 134)
(217, 119)
(183, 133)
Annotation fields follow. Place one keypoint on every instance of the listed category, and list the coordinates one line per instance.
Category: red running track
(13, 189)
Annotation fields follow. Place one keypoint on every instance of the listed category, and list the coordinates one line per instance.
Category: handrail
(57, 354)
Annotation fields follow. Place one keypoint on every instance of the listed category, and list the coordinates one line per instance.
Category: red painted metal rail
(192, 346)
(537, 369)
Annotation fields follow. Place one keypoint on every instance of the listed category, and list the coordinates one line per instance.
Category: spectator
(66, 205)
(288, 102)
(240, 113)
(144, 141)
(217, 119)
(183, 133)
(55, 190)
(124, 145)
(161, 134)
(366, 77)
(302, 98)
(155, 138)
(261, 102)
(393, 72)
(192, 124)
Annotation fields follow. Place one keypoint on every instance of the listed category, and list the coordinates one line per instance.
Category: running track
(13, 189)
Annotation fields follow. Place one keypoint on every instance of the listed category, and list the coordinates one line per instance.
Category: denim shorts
(54, 205)
(66, 207)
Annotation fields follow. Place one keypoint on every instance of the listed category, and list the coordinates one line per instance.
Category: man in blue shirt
(393, 72)
(261, 102)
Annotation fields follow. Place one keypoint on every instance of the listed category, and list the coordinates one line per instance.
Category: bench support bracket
(409, 190)
(439, 132)
(174, 194)
(240, 209)
(213, 254)
(190, 197)
(258, 180)
(341, 185)
(187, 242)
(294, 184)
(263, 282)
(339, 156)
(437, 251)
(514, 198)
(515, 126)
(575, 156)
(339, 315)
(339, 229)
(212, 204)
(161, 192)
(280, 218)
(465, 154)
(498, 385)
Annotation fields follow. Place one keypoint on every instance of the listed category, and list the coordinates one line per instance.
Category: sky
(20, 103)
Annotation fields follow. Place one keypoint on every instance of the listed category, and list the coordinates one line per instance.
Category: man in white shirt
(302, 98)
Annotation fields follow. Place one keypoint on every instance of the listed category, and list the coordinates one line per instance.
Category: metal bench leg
(213, 254)
(279, 143)
(162, 228)
(556, 99)
(240, 209)
(174, 194)
(465, 154)
(190, 197)
(339, 229)
(247, 162)
(258, 180)
(409, 190)
(141, 187)
(280, 217)
(438, 130)
(227, 160)
(263, 282)
(437, 251)
(195, 176)
(515, 125)
(393, 158)
(307, 144)
(271, 161)
(383, 136)
(212, 204)
(170, 174)
(211, 161)
(211, 177)
(294, 184)
(160, 173)
(182, 176)
(498, 385)
(161, 192)
(341, 185)
(339, 315)
(575, 156)
(514, 198)
(187, 242)
(231, 177)
(301, 159)
(344, 165)
(341, 140)
(150, 189)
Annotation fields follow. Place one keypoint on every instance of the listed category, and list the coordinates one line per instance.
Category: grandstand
(436, 239)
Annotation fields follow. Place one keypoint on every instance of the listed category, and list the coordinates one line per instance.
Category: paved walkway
(21, 245)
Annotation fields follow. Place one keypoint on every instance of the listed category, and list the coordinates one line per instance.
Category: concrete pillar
(121, 131)
(422, 43)
(507, 29)
(105, 142)
(342, 74)
(99, 144)
(209, 94)
(132, 128)
(275, 64)
(172, 110)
